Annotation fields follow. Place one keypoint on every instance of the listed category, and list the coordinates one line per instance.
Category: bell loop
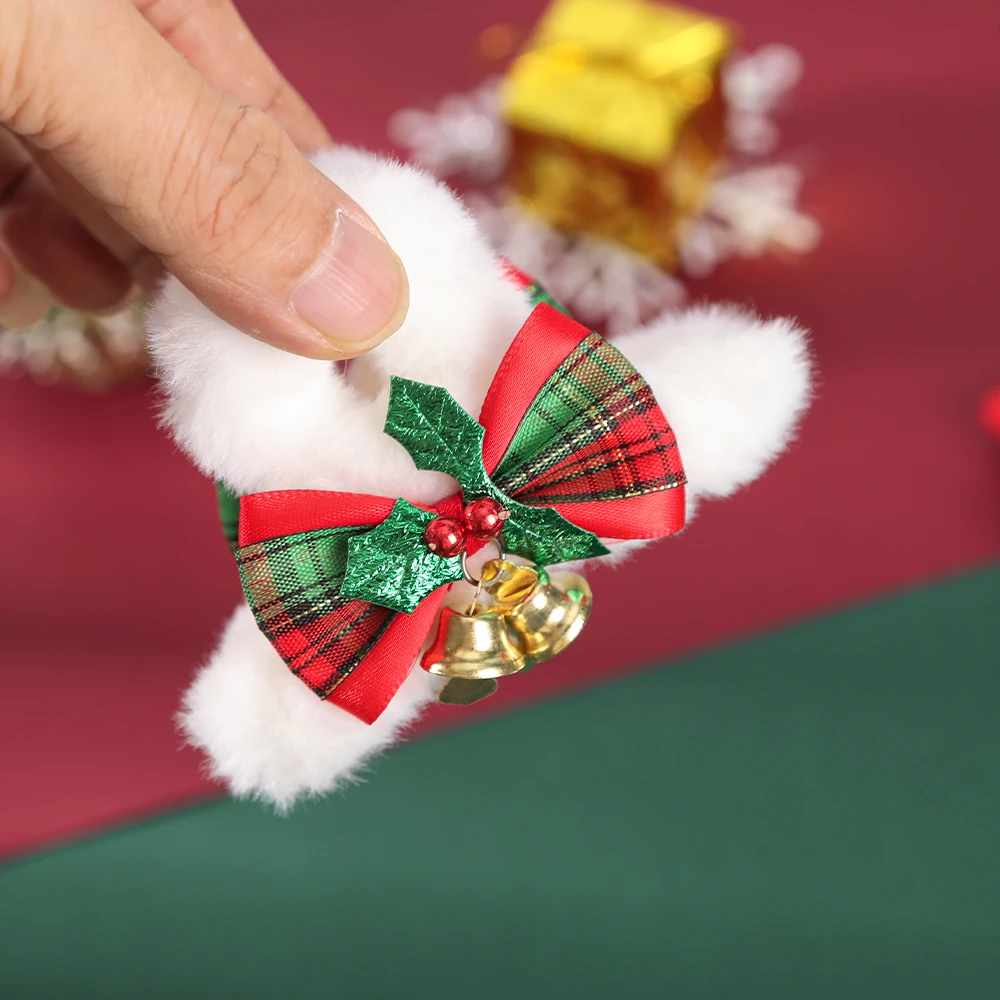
(467, 574)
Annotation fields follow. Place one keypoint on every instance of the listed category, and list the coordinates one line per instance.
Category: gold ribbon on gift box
(606, 94)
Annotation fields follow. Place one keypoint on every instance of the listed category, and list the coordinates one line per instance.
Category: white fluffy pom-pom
(733, 387)
(267, 736)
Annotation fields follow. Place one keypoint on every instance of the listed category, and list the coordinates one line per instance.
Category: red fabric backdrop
(115, 581)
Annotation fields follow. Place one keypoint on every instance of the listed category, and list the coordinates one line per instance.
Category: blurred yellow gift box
(617, 119)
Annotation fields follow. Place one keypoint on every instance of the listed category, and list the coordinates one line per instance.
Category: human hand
(159, 132)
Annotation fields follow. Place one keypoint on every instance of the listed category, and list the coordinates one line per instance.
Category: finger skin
(213, 186)
(47, 241)
(144, 266)
(215, 40)
(44, 238)
(6, 276)
(24, 301)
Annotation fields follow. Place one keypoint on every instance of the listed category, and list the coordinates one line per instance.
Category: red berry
(445, 537)
(483, 519)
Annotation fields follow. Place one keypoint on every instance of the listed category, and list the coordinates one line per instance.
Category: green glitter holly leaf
(391, 564)
(439, 435)
(544, 536)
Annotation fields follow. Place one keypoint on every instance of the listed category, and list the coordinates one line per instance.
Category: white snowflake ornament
(463, 135)
(754, 85)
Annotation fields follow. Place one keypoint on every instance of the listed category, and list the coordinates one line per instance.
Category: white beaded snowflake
(82, 348)
(464, 134)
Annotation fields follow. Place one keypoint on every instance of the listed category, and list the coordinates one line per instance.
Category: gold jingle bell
(534, 617)
(473, 646)
(506, 582)
(551, 615)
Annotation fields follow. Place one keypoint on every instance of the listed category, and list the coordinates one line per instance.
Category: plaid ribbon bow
(570, 439)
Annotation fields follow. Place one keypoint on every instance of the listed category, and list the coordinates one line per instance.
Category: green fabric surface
(811, 814)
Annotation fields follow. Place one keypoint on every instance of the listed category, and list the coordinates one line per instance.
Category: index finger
(215, 40)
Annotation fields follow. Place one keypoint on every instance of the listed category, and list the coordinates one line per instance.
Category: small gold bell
(551, 616)
(507, 583)
(473, 646)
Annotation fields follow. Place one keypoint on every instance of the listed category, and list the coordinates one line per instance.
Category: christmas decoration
(570, 191)
(85, 350)
(616, 119)
(393, 548)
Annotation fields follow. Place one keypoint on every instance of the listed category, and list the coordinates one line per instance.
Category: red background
(115, 581)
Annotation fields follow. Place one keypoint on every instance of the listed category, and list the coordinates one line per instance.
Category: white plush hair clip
(259, 420)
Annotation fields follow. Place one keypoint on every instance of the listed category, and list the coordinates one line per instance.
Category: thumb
(213, 187)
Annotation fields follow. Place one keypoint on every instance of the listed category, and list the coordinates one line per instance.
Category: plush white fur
(268, 735)
(732, 387)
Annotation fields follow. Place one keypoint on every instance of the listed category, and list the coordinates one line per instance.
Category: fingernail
(358, 291)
